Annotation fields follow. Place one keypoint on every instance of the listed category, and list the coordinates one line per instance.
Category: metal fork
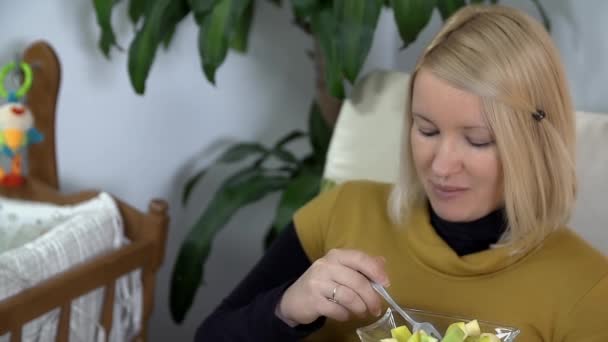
(416, 326)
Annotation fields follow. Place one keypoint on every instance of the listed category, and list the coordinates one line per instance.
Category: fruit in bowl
(485, 331)
(456, 332)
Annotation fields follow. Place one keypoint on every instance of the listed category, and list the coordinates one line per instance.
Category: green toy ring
(27, 82)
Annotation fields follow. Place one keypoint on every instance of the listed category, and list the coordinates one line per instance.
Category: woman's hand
(335, 286)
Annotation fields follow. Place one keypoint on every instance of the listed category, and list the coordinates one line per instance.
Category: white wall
(143, 147)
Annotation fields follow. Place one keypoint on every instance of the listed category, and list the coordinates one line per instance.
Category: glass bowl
(382, 327)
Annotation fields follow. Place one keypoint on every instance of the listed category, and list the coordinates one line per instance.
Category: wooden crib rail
(65, 287)
(148, 233)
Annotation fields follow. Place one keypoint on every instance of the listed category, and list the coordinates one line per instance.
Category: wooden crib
(147, 231)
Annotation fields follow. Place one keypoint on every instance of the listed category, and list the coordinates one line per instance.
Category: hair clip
(539, 115)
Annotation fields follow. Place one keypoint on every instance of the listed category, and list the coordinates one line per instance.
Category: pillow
(367, 136)
(23, 221)
(590, 217)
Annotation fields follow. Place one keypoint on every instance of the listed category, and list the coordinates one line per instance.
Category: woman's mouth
(446, 192)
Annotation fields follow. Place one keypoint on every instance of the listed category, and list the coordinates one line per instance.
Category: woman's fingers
(334, 286)
(333, 310)
(357, 284)
(347, 298)
(353, 270)
(371, 267)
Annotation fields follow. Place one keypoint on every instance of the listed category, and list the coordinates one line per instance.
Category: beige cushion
(366, 139)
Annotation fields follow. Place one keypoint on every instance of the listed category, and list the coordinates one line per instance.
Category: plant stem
(329, 105)
(304, 26)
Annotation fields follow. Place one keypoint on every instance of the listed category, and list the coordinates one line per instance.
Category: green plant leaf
(284, 155)
(543, 14)
(240, 38)
(137, 8)
(304, 8)
(190, 185)
(325, 30)
(215, 33)
(246, 186)
(103, 11)
(162, 18)
(477, 1)
(144, 45)
(447, 7)
(357, 21)
(278, 150)
(411, 17)
(234, 153)
(201, 8)
(300, 189)
(240, 151)
(320, 132)
(291, 136)
(169, 37)
(175, 14)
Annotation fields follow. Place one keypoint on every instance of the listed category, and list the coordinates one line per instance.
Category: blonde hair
(508, 59)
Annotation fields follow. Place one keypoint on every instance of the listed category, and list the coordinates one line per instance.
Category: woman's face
(453, 150)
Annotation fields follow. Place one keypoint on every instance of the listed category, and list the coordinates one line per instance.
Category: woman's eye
(483, 144)
(428, 133)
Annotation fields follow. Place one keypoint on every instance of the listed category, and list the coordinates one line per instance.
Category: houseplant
(341, 34)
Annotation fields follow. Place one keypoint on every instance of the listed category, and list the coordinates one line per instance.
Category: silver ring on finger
(333, 295)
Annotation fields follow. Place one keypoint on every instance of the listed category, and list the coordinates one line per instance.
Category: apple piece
(487, 337)
(416, 337)
(428, 338)
(472, 328)
(473, 339)
(401, 333)
(456, 332)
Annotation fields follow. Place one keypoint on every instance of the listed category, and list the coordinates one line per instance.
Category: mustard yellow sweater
(558, 292)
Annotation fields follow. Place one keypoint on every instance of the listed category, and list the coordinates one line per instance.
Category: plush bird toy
(17, 131)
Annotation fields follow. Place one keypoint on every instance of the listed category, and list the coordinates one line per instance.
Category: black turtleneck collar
(470, 237)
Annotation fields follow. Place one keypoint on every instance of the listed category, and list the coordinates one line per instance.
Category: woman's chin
(452, 212)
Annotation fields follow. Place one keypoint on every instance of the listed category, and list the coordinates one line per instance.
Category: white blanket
(41, 240)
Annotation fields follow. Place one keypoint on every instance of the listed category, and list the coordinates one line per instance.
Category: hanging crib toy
(17, 131)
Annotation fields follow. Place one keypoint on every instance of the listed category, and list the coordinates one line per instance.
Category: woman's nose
(447, 159)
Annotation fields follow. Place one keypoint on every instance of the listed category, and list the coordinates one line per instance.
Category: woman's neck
(470, 237)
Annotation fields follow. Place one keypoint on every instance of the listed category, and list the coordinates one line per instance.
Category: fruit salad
(456, 332)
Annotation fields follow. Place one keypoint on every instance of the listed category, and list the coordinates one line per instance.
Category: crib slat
(80, 280)
(63, 330)
(108, 307)
(16, 335)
